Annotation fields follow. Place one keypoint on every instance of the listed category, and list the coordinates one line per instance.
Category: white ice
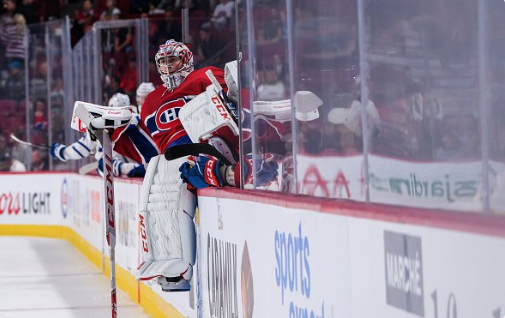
(43, 277)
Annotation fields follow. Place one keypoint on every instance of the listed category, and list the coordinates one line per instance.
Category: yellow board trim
(152, 303)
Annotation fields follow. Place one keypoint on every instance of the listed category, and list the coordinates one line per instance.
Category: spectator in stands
(350, 143)
(39, 160)
(40, 115)
(38, 84)
(272, 88)
(348, 121)
(82, 21)
(14, 87)
(7, 163)
(270, 30)
(169, 28)
(449, 147)
(111, 11)
(223, 14)
(207, 47)
(12, 36)
(128, 82)
(10, 9)
(123, 40)
(86, 17)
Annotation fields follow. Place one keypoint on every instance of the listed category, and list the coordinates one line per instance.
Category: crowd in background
(422, 80)
(211, 28)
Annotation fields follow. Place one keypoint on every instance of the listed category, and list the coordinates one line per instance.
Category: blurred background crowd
(25, 22)
(431, 73)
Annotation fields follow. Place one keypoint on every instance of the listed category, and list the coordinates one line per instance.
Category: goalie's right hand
(57, 151)
(203, 173)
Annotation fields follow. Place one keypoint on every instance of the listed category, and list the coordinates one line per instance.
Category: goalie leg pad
(166, 216)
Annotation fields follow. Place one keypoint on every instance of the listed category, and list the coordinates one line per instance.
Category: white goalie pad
(87, 115)
(206, 114)
(306, 107)
(167, 231)
(306, 103)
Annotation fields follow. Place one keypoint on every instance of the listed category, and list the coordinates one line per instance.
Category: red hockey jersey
(159, 118)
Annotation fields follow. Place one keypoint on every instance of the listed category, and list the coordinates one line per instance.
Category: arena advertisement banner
(444, 185)
(31, 199)
(332, 177)
(127, 196)
(259, 260)
(425, 272)
(84, 212)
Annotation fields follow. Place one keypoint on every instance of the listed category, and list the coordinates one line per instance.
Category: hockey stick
(81, 120)
(220, 92)
(29, 144)
(84, 170)
(108, 181)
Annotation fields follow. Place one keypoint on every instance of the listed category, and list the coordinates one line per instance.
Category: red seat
(14, 123)
(8, 106)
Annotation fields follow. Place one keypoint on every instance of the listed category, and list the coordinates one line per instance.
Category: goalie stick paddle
(29, 144)
(84, 170)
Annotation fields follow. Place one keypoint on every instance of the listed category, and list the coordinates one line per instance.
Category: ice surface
(43, 277)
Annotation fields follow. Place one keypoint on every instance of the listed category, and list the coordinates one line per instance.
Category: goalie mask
(119, 100)
(174, 61)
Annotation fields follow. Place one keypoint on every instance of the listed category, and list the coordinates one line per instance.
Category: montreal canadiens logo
(64, 198)
(168, 113)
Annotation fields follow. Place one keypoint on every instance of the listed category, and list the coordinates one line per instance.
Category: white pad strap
(166, 216)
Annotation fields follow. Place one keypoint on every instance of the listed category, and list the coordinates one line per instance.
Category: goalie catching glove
(95, 117)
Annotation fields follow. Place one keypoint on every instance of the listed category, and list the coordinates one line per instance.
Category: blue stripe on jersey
(184, 140)
(151, 124)
(80, 154)
(146, 149)
(83, 145)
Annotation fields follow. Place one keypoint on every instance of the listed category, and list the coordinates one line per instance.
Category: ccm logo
(220, 108)
(110, 190)
(110, 199)
(209, 174)
(143, 234)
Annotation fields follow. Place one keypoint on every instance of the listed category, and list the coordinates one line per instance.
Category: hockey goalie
(167, 207)
(191, 121)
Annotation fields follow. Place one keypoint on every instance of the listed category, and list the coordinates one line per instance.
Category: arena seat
(7, 106)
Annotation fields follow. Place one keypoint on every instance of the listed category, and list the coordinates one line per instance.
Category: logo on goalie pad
(143, 234)
(222, 111)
